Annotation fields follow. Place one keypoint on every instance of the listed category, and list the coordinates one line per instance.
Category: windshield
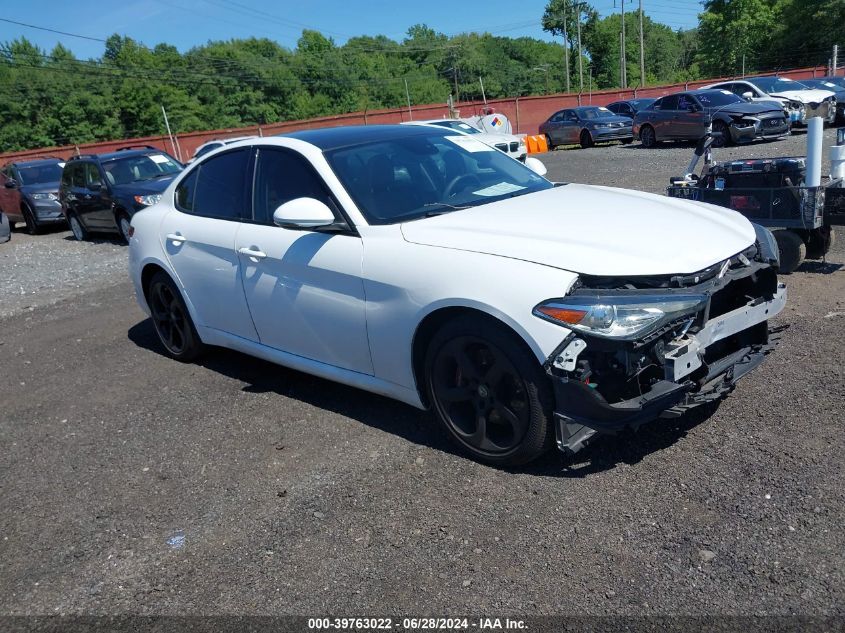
(40, 174)
(823, 84)
(140, 167)
(594, 113)
(457, 125)
(773, 85)
(417, 176)
(717, 98)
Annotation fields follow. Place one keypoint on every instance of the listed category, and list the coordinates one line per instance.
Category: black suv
(101, 193)
(29, 192)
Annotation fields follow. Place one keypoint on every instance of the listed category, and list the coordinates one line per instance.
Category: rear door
(96, 205)
(554, 127)
(665, 119)
(199, 240)
(303, 287)
(571, 127)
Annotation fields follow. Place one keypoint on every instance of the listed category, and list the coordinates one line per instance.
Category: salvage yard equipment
(770, 192)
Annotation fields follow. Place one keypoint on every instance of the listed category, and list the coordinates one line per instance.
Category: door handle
(251, 253)
(176, 238)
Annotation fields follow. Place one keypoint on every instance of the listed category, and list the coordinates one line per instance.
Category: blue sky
(187, 23)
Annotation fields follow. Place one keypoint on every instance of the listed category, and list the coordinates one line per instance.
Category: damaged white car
(799, 102)
(420, 264)
(512, 145)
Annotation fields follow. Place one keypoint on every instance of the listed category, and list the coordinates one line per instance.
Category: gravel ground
(134, 484)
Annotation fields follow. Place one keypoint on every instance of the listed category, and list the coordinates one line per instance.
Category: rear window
(140, 167)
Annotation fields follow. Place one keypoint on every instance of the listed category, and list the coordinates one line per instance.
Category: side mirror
(11, 183)
(748, 95)
(535, 165)
(692, 108)
(95, 186)
(303, 213)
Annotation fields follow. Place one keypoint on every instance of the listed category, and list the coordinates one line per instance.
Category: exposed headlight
(602, 124)
(621, 317)
(149, 200)
(44, 196)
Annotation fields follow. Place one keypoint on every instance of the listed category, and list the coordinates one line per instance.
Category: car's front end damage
(642, 348)
(745, 128)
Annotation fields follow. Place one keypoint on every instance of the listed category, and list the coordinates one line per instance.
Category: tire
(549, 143)
(476, 370)
(648, 138)
(792, 250)
(29, 217)
(820, 242)
(586, 140)
(123, 222)
(724, 139)
(76, 228)
(171, 319)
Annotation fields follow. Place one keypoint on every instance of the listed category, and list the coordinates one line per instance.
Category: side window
(684, 102)
(569, 115)
(205, 150)
(92, 175)
(281, 176)
(221, 187)
(185, 192)
(557, 117)
(66, 175)
(669, 103)
(78, 175)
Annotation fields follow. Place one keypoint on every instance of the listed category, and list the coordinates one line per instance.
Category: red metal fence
(525, 113)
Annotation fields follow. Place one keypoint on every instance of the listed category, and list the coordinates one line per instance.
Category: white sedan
(422, 265)
(512, 145)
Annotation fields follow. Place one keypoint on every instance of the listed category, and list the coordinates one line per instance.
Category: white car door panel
(303, 295)
(303, 288)
(202, 253)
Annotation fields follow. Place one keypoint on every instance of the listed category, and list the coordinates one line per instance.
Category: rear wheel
(171, 319)
(549, 143)
(489, 392)
(792, 250)
(820, 242)
(586, 139)
(79, 231)
(648, 138)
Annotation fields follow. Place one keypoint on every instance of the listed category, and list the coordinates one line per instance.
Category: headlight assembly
(618, 317)
(45, 196)
(148, 200)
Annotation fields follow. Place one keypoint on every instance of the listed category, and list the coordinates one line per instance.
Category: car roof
(332, 138)
(37, 161)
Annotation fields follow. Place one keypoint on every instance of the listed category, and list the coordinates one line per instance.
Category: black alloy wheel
(123, 225)
(79, 231)
(549, 145)
(648, 139)
(586, 139)
(172, 322)
(489, 392)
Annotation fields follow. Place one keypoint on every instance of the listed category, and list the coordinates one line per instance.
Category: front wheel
(489, 392)
(124, 225)
(549, 143)
(31, 223)
(586, 140)
(721, 134)
(171, 319)
(792, 249)
(79, 231)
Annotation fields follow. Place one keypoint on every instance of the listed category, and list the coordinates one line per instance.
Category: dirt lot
(132, 483)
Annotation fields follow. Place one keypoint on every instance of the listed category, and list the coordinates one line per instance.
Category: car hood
(747, 107)
(145, 187)
(41, 187)
(804, 96)
(593, 230)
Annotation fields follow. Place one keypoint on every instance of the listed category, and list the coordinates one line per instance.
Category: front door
(304, 288)
(199, 239)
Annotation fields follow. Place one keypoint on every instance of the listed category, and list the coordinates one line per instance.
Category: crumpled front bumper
(582, 411)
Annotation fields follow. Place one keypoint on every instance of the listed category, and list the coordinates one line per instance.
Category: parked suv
(101, 193)
(29, 192)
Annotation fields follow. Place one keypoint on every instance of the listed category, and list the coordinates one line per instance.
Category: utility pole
(580, 61)
(642, 48)
(743, 64)
(621, 61)
(565, 48)
(624, 61)
(483, 96)
(835, 58)
(408, 95)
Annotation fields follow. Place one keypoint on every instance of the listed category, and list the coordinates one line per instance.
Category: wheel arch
(436, 318)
